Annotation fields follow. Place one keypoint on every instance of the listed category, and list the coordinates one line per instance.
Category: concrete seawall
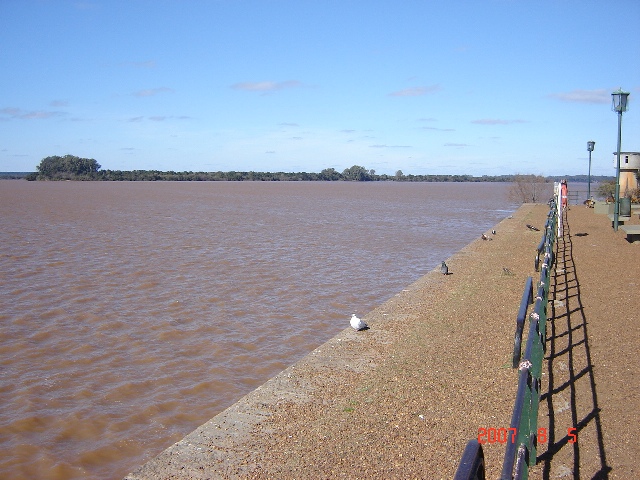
(399, 400)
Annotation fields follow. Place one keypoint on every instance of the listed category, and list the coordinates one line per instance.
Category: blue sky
(484, 87)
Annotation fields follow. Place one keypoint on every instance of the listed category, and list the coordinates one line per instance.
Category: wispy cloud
(497, 121)
(431, 120)
(18, 113)
(439, 129)
(266, 87)
(289, 125)
(416, 91)
(583, 96)
(456, 145)
(159, 118)
(150, 92)
(145, 64)
(389, 146)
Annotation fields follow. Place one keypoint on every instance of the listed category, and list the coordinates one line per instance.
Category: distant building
(629, 169)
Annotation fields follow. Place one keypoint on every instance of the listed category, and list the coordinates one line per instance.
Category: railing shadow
(570, 373)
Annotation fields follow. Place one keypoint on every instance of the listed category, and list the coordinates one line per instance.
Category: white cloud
(150, 92)
(497, 121)
(439, 129)
(18, 113)
(145, 64)
(583, 96)
(390, 146)
(266, 87)
(159, 118)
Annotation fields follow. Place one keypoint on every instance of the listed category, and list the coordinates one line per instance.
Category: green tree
(607, 190)
(356, 173)
(67, 167)
(330, 174)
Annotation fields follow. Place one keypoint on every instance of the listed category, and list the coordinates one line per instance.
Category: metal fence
(521, 437)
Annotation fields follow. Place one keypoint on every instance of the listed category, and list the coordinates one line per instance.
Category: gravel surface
(401, 399)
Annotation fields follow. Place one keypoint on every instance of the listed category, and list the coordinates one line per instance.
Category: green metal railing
(522, 435)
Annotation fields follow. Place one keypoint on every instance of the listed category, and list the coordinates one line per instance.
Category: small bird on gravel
(357, 323)
(484, 237)
(444, 269)
(493, 232)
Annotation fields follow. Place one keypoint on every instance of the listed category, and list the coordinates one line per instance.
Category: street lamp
(618, 105)
(590, 145)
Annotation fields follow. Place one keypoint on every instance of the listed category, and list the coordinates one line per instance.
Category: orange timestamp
(504, 435)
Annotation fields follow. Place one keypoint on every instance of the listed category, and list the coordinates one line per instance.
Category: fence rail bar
(472, 463)
(521, 454)
(512, 447)
(527, 299)
(549, 229)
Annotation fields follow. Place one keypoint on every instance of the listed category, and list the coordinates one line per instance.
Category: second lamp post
(590, 145)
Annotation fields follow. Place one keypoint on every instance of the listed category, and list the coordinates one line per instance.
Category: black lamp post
(618, 105)
(590, 145)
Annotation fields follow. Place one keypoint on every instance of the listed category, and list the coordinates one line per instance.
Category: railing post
(521, 454)
(472, 463)
(527, 299)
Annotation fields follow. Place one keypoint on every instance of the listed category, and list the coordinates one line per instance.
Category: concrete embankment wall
(399, 400)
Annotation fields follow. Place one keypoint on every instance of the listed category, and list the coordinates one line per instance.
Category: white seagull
(357, 323)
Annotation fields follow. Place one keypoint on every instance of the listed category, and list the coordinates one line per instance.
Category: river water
(133, 312)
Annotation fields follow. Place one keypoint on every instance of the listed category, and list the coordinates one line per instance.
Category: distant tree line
(70, 167)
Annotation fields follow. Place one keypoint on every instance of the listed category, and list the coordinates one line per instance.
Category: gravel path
(401, 399)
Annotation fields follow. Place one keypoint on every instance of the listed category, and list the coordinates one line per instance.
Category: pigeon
(444, 269)
(493, 232)
(357, 323)
(531, 227)
(484, 237)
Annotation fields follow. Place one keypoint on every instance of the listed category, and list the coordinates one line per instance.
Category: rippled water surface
(133, 312)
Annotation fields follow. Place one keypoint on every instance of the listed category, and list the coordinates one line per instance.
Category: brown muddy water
(133, 312)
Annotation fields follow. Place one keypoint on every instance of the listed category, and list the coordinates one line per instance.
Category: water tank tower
(629, 169)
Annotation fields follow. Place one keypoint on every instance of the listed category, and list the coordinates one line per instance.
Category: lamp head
(590, 146)
(619, 101)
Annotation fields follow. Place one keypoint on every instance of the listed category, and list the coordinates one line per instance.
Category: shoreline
(326, 386)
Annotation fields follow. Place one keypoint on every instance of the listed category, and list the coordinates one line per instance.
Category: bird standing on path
(357, 323)
(444, 269)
